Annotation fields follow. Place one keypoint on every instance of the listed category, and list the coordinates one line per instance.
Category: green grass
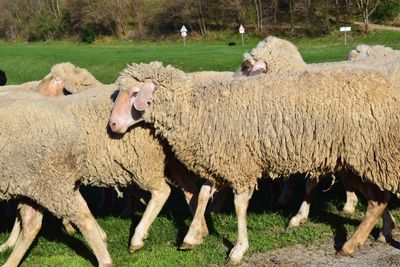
(23, 62)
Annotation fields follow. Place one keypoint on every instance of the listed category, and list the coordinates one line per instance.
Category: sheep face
(130, 105)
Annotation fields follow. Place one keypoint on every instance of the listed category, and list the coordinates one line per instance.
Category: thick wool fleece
(41, 155)
(309, 122)
(66, 142)
(114, 160)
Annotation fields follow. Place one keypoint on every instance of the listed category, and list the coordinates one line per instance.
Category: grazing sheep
(231, 132)
(88, 154)
(3, 78)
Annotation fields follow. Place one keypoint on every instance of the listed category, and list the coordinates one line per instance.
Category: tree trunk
(291, 16)
(337, 11)
(257, 14)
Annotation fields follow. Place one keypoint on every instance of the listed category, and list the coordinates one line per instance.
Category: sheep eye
(134, 94)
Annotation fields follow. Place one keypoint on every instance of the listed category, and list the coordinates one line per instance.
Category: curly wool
(309, 122)
(80, 136)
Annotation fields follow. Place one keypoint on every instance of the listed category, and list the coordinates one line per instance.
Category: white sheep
(231, 132)
(93, 156)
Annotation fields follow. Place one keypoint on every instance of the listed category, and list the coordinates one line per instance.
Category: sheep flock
(205, 133)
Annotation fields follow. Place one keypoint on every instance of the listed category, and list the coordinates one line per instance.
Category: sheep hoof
(187, 246)
(294, 223)
(135, 248)
(345, 251)
(232, 261)
(348, 210)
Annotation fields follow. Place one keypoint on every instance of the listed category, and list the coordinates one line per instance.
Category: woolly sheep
(379, 58)
(272, 55)
(317, 123)
(73, 79)
(86, 154)
(64, 78)
(275, 55)
(375, 52)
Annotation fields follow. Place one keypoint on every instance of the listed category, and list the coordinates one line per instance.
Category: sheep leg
(12, 239)
(351, 197)
(385, 235)
(351, 202)
(68, 227)
(187, 182)
(287, 192)
(84, 205)
(377, 202)
(304, 210)
(241, 201)
(157, 201)
(31, 223)
(191, 193)
(84, 220)
(195, 236)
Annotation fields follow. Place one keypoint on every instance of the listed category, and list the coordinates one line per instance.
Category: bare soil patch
(321, 253)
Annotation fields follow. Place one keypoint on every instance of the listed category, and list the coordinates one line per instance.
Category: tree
(367, 7)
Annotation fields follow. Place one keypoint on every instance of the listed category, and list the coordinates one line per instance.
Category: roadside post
(345, 30)
(241, 31)
(184, 34)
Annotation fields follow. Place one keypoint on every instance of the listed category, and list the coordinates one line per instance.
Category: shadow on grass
(52, 231)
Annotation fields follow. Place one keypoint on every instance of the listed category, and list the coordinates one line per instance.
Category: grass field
(24, 62)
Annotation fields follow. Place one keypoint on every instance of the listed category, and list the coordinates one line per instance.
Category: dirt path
(323, 254)
(378, 27)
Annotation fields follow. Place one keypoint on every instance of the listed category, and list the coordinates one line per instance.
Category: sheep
(64, 78)
(92, 155)
(271, 55)
(3, 78)
(231, 132)
(375, 52)
(275, 55)
(379, 58)
(74, 80)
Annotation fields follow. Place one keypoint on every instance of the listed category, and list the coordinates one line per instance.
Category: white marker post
(184, 34)
(345, 30)
(241, 31)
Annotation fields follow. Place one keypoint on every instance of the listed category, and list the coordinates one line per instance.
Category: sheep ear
(51, 87)
(56, 87)
(144, 96)
(258, 68)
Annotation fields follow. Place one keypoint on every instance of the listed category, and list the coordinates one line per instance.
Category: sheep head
(130, 105)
